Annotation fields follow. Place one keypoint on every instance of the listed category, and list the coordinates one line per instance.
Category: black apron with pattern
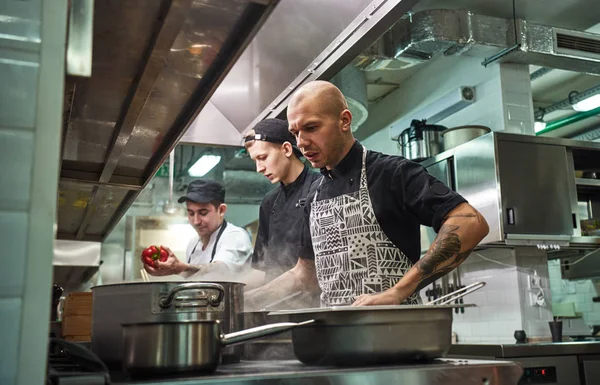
(353, 256)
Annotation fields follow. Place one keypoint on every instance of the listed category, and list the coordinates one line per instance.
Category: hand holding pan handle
(448, 298)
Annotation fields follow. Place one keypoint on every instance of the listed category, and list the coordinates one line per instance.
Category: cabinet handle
(574, 216)
(510, 214)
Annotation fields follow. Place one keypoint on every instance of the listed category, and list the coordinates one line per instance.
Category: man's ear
(222, 209)
(346, 120)
(287, 149)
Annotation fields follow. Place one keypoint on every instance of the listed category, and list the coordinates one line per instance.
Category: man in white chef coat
(220, 248)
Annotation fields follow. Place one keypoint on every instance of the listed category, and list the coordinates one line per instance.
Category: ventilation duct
(456, 32)
(353, 84)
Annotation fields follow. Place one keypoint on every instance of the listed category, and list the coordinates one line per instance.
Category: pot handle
(260, 331)
(449, 298)
(213, 300)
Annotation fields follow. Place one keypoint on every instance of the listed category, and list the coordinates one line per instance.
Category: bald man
(361, 238)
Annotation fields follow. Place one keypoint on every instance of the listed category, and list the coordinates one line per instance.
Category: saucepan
(350, 336)
(154, 348)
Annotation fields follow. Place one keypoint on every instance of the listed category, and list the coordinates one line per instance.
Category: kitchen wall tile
(18, 80)
(481, 329)
(24, 19)
(16, 149)
(495, 298)
(478, 298)
(13, 236)
(10, 319)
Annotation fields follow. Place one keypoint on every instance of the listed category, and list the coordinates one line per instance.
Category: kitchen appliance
(421, 140)
(350, 336)
(184, 346)
(456, 136)
(156, 301)
(565, 363)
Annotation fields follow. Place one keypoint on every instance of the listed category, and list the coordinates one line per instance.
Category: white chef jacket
(233, 249)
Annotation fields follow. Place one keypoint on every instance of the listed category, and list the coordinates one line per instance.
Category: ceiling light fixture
(587, 104)
(204, 165)
(539, 125)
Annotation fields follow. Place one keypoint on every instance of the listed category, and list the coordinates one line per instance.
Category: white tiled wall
(580, 293)
(31, 78)
(501, 305)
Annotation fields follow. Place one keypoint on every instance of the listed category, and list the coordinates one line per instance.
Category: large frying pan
(350, 336)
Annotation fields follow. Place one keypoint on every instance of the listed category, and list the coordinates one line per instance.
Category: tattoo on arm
(443, 256)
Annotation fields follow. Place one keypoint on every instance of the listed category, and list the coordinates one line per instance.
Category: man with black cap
(220, 247)
(281, 214)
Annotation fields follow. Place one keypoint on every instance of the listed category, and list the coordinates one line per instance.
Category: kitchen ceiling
(551, 88)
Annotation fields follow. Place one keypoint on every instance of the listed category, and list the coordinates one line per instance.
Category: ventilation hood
(461, 32)
(154, 66)
(300, 42)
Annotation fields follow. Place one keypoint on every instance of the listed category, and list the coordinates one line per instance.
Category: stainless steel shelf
(587, 182)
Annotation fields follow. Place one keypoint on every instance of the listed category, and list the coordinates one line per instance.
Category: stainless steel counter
(525, 350)
(439, 372)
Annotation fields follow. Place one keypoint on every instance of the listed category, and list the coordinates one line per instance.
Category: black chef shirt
(280, 222)
(403, 194)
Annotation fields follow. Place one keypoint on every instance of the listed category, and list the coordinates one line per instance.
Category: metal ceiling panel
(155, 64)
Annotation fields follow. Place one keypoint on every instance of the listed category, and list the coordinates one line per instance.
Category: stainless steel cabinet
(525, 187)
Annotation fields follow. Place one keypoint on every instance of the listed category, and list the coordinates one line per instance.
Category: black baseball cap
(275, 131)
(204, 191)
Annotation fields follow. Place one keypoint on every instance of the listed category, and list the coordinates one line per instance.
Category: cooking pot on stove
(166, 301)
(421, 140)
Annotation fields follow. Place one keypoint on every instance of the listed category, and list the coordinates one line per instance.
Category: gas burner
(73, 364)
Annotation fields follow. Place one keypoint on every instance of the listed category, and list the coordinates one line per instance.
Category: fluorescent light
(539, 126)
(204, 165)
(587, 104)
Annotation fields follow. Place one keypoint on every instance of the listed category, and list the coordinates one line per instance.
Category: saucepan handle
(260, 331)
(213, 300)
(449, 298)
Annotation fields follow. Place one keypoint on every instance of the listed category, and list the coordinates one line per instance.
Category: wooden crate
(77, 317)
(79, 303)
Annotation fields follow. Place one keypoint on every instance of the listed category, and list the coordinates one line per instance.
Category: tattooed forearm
(443, 256)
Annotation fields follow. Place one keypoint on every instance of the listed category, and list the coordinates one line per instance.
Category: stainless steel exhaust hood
(155, 64)
(302, 41)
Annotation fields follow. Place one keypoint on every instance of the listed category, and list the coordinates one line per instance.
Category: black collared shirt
(280, 222)
(403, 194)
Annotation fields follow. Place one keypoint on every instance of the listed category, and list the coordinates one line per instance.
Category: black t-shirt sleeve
(306, 248)
(424, 196)
(262, 237)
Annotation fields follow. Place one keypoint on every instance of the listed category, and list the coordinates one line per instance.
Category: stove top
(73, 364)
(284, 372)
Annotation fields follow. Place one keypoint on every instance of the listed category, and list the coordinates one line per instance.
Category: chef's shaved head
(326, 95)
(319, 118)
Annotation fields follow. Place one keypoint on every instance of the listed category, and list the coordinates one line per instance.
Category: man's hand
(393, 296)
(170, 267)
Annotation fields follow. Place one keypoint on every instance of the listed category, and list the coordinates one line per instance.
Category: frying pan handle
(260, 331)
(448, 298)
(213, 300)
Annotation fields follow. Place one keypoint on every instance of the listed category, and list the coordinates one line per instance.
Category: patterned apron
(353, 256)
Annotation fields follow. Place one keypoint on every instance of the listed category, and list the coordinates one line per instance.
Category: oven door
(590, 369)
